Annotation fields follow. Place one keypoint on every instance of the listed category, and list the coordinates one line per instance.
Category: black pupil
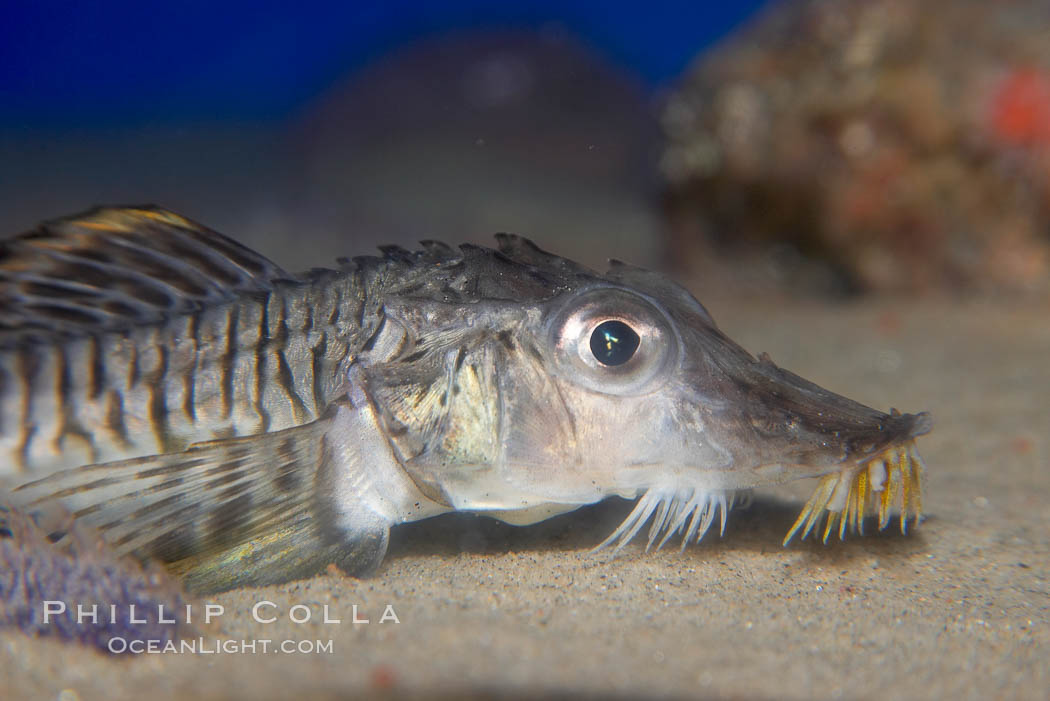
(613, 342)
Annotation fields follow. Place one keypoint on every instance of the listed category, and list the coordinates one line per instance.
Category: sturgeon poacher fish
(199, 405)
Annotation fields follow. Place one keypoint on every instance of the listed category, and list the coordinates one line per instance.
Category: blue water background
(121, 62)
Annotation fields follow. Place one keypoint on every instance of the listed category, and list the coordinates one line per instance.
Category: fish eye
(613, 342)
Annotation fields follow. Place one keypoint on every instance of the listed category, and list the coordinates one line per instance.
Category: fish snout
(894, 428)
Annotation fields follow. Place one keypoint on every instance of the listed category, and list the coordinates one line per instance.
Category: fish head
(618, 384)
(660, 394)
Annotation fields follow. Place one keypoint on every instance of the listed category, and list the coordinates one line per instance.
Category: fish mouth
(873, 480)
(866, 460)
(874, 485)
(841, 502)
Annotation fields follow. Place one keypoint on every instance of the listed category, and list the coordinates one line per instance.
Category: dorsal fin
(525, 251)
(112, 268)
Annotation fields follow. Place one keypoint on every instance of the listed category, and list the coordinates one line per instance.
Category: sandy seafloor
(958, 609)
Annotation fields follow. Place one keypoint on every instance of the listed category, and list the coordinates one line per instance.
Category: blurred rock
(464, 135)
(875, 145)
(74, 567)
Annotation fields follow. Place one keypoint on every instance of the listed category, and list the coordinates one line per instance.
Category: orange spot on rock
(383, 677)
(1022, 445)
(888, 324)
(1020, 109)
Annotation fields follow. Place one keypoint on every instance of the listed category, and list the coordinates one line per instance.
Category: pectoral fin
(253, 510)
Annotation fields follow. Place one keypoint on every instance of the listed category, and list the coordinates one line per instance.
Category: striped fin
(226, 513)
(112, 268)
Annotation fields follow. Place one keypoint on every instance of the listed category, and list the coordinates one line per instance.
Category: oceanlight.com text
(217, 646)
